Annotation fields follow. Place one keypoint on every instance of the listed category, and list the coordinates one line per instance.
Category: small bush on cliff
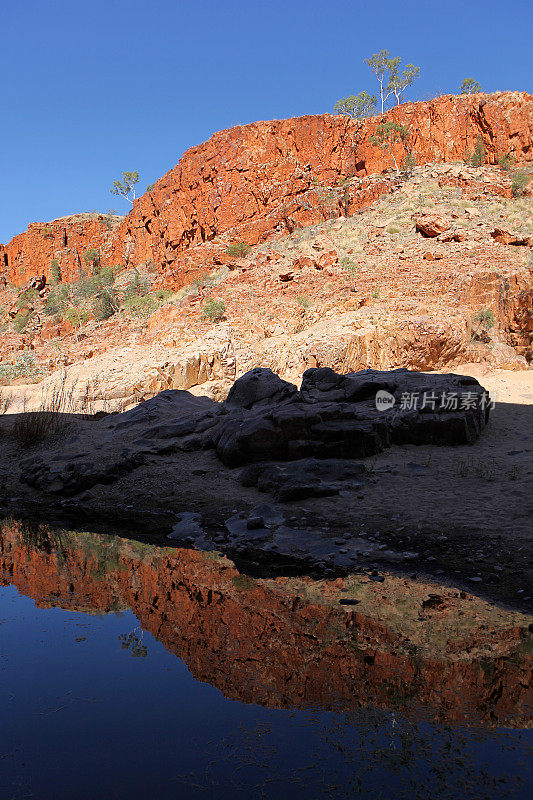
(21, 320)
(356, 106)
(214, 310)
(91, 285)
(26, 297)
(505, 162)
(55, 271)
(76, 315)
(238, 250)
(479, 155)
(519, 182)
(47, 232)
(91, 257)
(141, 305)
(57, 300)
(408, 164)
(137, 287)
(484, 318)
(105, 304)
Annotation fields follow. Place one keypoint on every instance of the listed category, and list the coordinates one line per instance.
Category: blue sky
(91, 89)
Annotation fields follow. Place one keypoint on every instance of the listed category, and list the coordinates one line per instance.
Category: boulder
(258, 386)
(430, 225)
(264, 419)
(505, 237)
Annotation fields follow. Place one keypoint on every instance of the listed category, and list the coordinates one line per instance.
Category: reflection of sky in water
(92, 706)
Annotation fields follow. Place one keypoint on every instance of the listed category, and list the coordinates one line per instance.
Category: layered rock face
(66, 240)
(250, 181)
(255, 179)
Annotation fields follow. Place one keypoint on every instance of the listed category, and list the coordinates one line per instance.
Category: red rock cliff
(66, 240)
(250, 181)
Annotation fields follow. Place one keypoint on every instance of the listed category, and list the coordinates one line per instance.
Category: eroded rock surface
(264, 418)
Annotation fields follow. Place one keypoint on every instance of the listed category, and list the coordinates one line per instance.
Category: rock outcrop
(250, 181)
(66, 240)
(267, 419)
(345, 416)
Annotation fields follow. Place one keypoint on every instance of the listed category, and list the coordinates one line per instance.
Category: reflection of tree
(371, 753)
(131, 642)
(41, 537)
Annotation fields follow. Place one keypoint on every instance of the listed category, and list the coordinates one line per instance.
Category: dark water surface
(131, 671)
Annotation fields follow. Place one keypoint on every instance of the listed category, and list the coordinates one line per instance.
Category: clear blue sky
(92, 88)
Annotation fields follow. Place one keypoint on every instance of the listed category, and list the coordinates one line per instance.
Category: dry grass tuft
(5, 402)
(52, 418)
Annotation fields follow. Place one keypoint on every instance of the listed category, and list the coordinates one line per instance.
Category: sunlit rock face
(288, 642)
(253, 180)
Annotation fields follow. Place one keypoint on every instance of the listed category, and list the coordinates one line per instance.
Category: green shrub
(243, 582)
(484, 318)
(469, 86)
(408, 164)
(23, 366)
(348, 264)
(138, 287)
(104, 305)
(21, 320)
(26, 297)
(78, 316)
(55, 271)
(91, 257)
(141, 305)
(47, 232)
(505, 162)
(91, 285)
(519, 182)
(238, 249)
(214, 310)
(303, 301)
(480, 154)
(57, 300)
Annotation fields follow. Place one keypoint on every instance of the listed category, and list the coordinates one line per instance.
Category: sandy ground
(466, 510)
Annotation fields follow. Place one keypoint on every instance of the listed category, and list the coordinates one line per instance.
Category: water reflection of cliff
(286, 642)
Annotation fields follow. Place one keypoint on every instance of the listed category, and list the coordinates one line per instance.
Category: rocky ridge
(255, 180)
(367, 291)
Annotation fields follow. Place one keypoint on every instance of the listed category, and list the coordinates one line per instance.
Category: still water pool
(131, 671)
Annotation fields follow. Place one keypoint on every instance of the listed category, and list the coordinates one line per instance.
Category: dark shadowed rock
(259, 386)
(332, 418)
(337, 416)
